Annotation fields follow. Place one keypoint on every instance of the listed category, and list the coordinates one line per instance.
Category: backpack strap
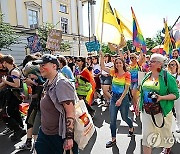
(165, 77)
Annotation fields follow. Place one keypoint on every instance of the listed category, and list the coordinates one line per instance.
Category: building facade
(27, 15)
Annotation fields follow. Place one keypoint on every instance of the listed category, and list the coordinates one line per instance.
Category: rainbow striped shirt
(150, 86)
(119, 81)
(134, 72)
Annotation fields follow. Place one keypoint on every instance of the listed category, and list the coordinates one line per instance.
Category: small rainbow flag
(138, 39)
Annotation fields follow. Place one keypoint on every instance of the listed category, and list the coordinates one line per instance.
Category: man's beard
(175, 57)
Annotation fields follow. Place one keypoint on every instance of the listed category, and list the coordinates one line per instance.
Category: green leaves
(8, 35)
(43, 35)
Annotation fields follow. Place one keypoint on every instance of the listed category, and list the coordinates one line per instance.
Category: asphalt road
(125, 145)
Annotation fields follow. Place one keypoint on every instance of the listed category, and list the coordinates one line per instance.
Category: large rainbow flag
(89, 77)
(138, 39)
(176, 31)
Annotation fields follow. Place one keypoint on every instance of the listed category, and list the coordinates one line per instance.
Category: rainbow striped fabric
(148, 86)
(89, 77)
(119, 82)
(138, 39)
(134, 72)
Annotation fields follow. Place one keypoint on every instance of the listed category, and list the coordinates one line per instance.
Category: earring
(159, 69)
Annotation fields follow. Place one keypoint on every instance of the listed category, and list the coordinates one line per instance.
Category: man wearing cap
(57, 109)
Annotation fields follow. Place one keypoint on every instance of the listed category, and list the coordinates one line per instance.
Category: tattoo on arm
(69, 128)
(69, 122)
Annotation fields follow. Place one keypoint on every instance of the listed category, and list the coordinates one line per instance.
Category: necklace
(49, 83)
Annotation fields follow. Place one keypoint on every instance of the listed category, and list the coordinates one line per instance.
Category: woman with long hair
(106, 79)
(120, 100)
(83, 85)
(12, 117)
(135, 66)
(158, 92)
(174, 68)
(96, 73)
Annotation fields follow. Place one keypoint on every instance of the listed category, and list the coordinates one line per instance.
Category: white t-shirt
(178, 78)
(96, 69)
(108, 65)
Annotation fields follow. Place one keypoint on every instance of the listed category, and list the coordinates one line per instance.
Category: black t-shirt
(71, 66)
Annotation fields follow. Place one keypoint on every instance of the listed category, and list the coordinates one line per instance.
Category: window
(33, 18)
(63, 8)
(64, 25)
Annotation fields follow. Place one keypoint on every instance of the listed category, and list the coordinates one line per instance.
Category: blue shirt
(66, 71)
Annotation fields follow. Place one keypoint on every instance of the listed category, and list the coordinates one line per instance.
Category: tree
(43, 35)
(150, 43)
(129, 46)
(105, 49)
(8, 35)
(65, 46)
(158, 38)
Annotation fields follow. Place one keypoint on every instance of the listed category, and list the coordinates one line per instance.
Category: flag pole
(102, 22)
(175, 23)
(171, 28)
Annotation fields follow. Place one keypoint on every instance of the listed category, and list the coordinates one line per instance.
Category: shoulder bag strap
(154, 121)
(139, 67)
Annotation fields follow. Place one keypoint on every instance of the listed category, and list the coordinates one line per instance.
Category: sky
(149, 13)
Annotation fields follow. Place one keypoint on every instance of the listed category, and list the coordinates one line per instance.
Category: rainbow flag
(138, 39)
(176, 31)
(89, 77)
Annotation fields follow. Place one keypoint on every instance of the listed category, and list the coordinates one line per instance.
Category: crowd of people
(54, 81)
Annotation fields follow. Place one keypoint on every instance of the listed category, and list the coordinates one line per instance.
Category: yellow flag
(167, 39)
(124, 29)
(108, 29)
(123, 42)
(109, 16)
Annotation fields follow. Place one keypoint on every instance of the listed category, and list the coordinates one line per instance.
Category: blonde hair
(178, 66)
(133, 54)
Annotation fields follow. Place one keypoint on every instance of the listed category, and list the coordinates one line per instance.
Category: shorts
(106, 80)
(134, 85)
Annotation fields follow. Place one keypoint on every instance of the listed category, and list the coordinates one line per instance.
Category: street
(125, 145)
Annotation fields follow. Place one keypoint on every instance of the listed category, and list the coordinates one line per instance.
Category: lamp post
(78, 29)
(90, 2)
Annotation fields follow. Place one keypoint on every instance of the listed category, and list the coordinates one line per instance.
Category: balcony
(93, 2)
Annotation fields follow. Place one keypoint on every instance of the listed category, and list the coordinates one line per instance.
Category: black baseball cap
(47, 58)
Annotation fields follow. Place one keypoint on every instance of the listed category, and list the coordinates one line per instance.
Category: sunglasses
(78, 60)
(118, 63)
(172, 65)
(132, 57)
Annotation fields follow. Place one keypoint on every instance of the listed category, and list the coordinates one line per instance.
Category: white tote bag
(140, 77)
(83, 127)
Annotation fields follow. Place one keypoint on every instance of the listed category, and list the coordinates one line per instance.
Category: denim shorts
(106, 80)
(134, 85)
